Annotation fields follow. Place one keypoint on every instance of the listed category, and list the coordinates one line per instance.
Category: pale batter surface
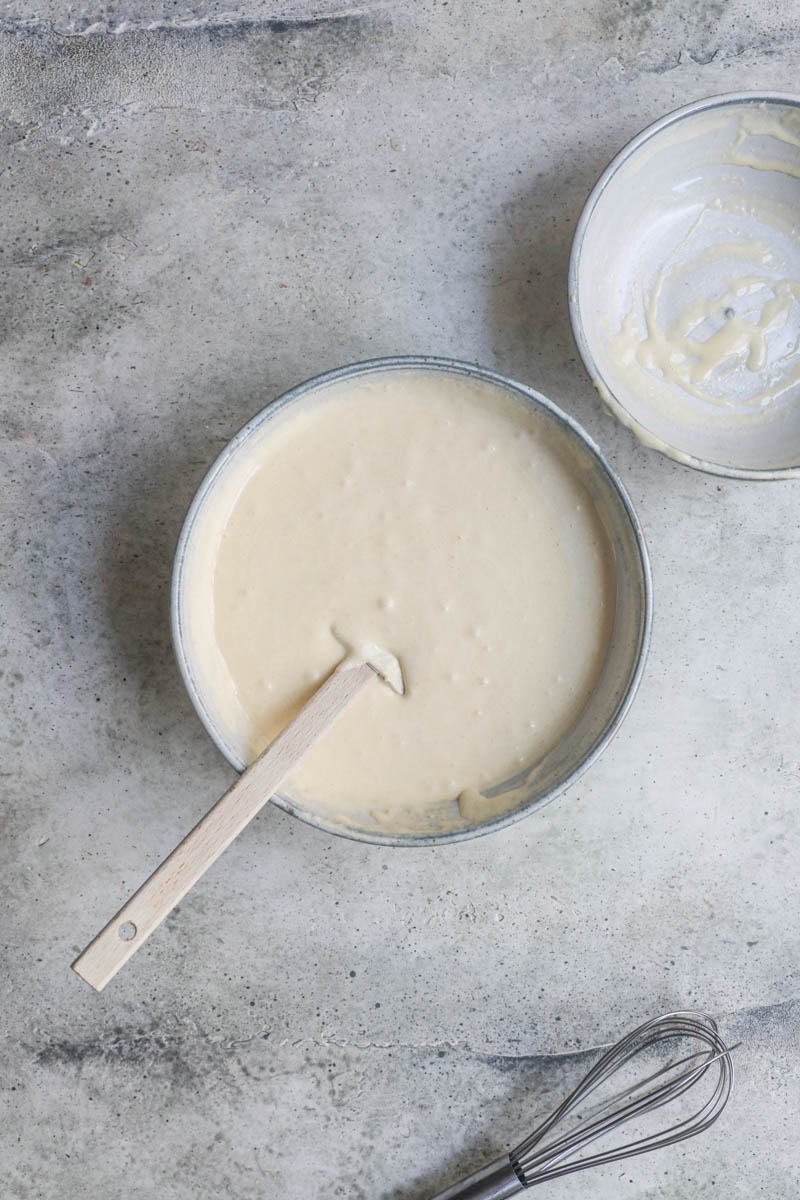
(430, 514)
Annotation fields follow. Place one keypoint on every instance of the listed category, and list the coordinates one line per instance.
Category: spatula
(148, 907)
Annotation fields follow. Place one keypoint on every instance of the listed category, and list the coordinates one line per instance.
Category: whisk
(548, 1153)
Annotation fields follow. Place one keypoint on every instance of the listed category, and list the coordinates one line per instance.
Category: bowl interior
(617, 680)
(688, 284)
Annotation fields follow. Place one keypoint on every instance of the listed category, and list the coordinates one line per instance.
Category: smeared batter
(690, 271)
(434, 516)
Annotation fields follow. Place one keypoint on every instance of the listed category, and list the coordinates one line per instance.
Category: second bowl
(684, 285)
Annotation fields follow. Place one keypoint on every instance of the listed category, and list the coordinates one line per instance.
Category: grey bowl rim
(706, 104)
(473, 371)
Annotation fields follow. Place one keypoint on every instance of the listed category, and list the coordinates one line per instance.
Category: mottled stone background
(201, 207)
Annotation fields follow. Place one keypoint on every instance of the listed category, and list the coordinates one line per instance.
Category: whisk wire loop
(547, 1153)
(539, 1158)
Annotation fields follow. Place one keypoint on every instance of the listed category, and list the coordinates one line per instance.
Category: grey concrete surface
(79, 19)
(194, 217)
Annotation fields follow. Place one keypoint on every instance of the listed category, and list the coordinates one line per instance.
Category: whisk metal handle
(493, 1182)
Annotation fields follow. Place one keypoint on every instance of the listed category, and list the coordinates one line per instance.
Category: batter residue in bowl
(690, 287)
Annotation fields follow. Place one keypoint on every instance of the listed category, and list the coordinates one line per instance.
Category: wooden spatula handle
(147, 908)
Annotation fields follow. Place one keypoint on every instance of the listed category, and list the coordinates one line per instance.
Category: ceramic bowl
(684, 285)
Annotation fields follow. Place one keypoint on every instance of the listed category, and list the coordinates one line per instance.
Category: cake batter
(435, 516)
